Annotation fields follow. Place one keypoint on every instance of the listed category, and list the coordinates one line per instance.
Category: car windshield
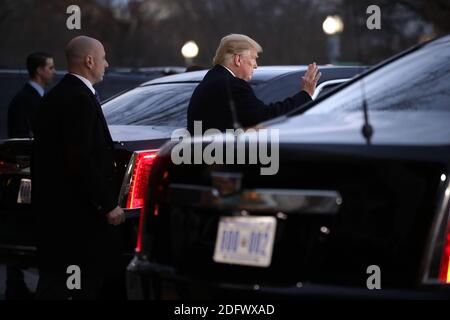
(417, 82)
(155, 105)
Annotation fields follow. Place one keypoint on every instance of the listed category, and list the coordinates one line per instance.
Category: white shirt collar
(86, 82)
(38, 88)
(229, 70)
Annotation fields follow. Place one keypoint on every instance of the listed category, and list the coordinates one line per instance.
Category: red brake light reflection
(141, 225)
(444, 274)
(139, 235)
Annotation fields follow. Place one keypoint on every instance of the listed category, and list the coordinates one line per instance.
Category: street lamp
(333, 26)
(189, 52)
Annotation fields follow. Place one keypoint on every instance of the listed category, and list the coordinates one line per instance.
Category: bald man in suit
(74, 180)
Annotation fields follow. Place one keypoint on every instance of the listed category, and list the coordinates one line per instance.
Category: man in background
(41, 70)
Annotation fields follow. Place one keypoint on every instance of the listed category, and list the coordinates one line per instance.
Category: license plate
(245, 241)
(24, 195)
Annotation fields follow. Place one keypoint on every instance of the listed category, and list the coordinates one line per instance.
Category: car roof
(263, 73)
(25, 71)
(115, 71)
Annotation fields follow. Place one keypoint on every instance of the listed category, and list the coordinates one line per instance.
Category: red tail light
(9, 168)
(134, 186)
(143, 163)
(135, 181)
(444, 274)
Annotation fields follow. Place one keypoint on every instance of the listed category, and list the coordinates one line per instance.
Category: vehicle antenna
(367, 129)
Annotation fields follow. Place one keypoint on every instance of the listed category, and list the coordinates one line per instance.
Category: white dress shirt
(229, 70)
(86, 82)
(37, 87)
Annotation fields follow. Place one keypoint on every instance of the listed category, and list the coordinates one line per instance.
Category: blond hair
(234, 44)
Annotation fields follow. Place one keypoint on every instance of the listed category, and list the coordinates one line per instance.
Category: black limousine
(141, 120)
(359, 206)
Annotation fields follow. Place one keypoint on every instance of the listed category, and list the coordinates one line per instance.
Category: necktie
(97, 96)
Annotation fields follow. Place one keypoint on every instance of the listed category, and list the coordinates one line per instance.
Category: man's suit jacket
(210, 102)
(21, 112)
(74, 179)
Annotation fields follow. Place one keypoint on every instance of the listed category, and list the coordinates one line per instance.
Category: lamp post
(189, 52)
(333, 26)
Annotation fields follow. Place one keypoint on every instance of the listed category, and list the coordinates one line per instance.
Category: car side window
(289, 84)
(278, 89)
(154, 105)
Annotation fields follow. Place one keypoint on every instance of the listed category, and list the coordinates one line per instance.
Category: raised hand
(310, 79)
